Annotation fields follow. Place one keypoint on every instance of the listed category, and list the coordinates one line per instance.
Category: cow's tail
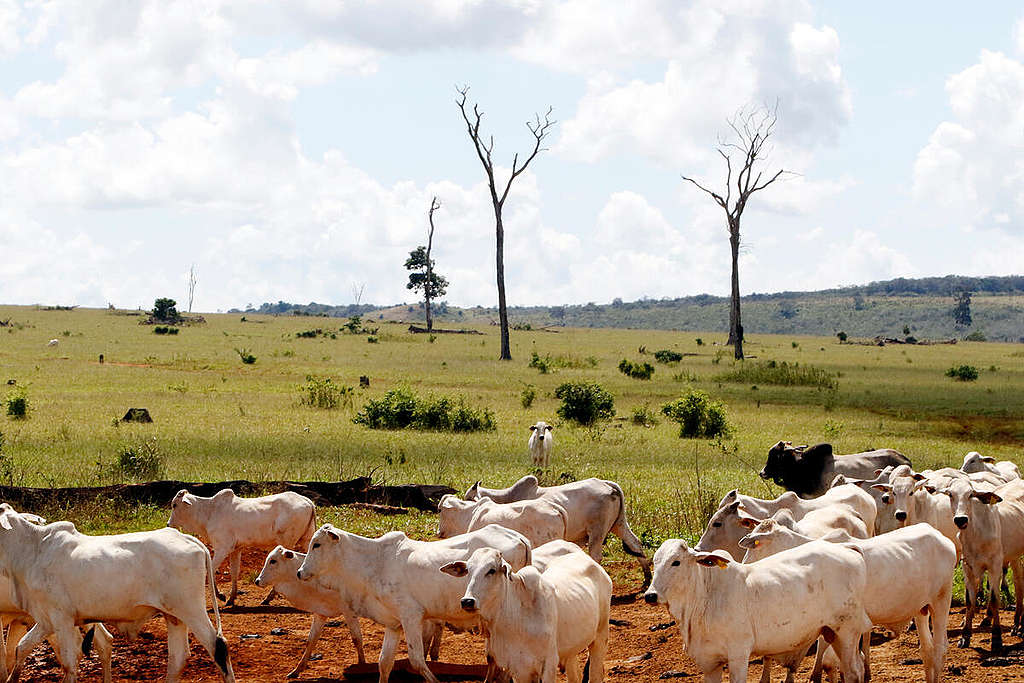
(220, 646)
(630, 543)
(211, 576)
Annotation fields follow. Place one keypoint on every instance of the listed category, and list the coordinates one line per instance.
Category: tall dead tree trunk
(540, 130)
(427, 293)
(751, 132)
(192, 280)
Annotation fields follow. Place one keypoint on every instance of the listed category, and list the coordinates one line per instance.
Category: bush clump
(16, 403)
(401, 409)
(842, 336)
(584, 402)
(141, 461)
(643, 417)
(961, 373)
(785, 374)
(246, 356)
(309, 334)
(698, 415)
(636, 370)
(667, 356)
(322, 392)
(162, 329)
(527, 396)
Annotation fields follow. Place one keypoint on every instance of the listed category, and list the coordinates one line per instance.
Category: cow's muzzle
(468, 604)
(901, 515)
(960, 521)
(303, 575)
(764, 475)
(651, 598)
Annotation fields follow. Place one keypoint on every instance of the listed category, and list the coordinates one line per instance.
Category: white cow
(539, 520)
(544, 554)
(232, 524)
(394, 581)
(279, 572)
(65, 579)
(976, 462)
(538, 621)
(738, 514)
(595, 508)
(912, 504)
(909, 577)
(728, 612)
(53, 342)
(977, 519)
(884, 519)
(1011, 527)
(540, 444)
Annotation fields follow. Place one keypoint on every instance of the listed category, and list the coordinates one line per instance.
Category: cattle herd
(857, 541)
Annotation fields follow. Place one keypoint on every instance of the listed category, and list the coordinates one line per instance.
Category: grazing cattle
(53, 342)
(738, 514)
(538, 621)
(540, 444)
(728, 612)
(909, 577)
(808, 470)
(232, 524)
(977, 519)
(539, 520)
(395, 581)
(1004, 469)
(64, 579)
(279, 573)
(912, 504)
(595, 508)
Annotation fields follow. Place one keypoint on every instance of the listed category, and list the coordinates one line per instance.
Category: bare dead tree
(746, 150)
(357, 291)
(434, 206)
(192, 280)
(540, 129)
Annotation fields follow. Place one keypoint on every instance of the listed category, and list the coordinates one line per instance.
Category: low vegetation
(584, 402)
(963, 373)
(635, 370)
(16, 403)
(325, 393)
(780, 373)
(401, 408)
(668, 356)
(698, 416)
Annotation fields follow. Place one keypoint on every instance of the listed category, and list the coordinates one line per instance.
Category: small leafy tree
(164, 310)
(962, 309)
(423, 278)
(585, 402)
(963, 373)
(698, 415)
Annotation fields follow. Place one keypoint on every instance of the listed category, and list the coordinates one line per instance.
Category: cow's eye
(491, 571)
(716, 524)
(675, 563)
(316, 545)
(273, 562)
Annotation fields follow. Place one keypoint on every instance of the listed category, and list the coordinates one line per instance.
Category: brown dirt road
(636, 652)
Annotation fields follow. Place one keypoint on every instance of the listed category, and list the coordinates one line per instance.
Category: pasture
(216, 418)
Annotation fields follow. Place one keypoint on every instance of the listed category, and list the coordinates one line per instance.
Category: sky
(290, 151)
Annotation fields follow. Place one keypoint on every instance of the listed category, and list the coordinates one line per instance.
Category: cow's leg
(35, 635)
(766, 669)
(270, 596)
(18, 628)
(413, 624)
(573, 673)
(738, 665)
(352, 621)
(865, 648)
(219, 555)
(713, 676)
(1018, 596)
(925, 644)
(595, 543)
(819, 661)
(235, 560)
(67, 644)
(940, 621)
(993, 608)
(104, 644)
(177, 639)
(432, 631)
(851, 662)
(387, 654)
(314, 634)
(971, 588)
(598, 652)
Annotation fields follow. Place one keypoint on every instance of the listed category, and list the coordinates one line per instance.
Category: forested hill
(923, 306)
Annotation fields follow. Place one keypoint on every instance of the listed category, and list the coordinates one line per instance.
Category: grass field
(217, 418)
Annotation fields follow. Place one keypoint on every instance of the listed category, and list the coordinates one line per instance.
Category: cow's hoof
(294, 673)
(964, 642)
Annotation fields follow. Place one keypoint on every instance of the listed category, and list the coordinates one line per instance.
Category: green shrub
(700, 342)
(976, 336)
(636, 370)
(164, 309)
(309, 334)
(527, 395)
(161, 329)
(141, 461)
(962, 373)
(584, 402)
(667, 356)
(698, 415)
(543, 365)
(17, 403)
(372, 340)
(400, 409)
(246, 356)
(322, 392)
(785, 374)
(643, 417)
(842, 337)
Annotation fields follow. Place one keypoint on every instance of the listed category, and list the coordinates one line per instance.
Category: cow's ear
(289, 554)
(456, 569)
(818, 451)
(713, 559)
(5, 522)
(734, 507)
(333, 536)
(987, 458)
(748, 522)
(917, 476)
(987, 497)
(533, 428)
(547, 427)
(885, 488)
(187, 499)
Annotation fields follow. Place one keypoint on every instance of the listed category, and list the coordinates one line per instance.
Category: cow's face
(964, 500)
(782, 460)
(725, 529)
(280, 565)
(674, 567)
(453, 516)
(539, 431)
(487, 572)
(183, 512)
(325, 542)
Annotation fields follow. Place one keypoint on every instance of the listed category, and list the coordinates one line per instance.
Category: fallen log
(416, 329)
(323, 493)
